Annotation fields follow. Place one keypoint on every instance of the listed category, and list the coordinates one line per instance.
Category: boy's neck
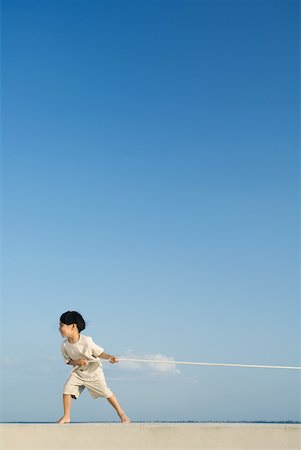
(74, 339)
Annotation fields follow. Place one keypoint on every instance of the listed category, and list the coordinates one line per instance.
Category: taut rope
(253, 366)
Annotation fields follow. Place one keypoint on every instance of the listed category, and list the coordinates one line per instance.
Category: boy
(81, 352)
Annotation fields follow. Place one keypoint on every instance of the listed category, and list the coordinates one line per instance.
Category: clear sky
(151, 182)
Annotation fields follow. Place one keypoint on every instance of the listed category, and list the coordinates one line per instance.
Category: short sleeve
(65, 354)
(96, 349)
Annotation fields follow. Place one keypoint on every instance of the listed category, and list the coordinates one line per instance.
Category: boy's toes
(125, 419)
(63, 420)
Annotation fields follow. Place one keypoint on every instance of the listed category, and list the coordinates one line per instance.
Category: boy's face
(67, 330)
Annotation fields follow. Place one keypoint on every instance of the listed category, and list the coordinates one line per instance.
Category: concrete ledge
(150, 436)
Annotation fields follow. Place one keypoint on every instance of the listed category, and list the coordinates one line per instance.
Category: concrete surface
(150, 436)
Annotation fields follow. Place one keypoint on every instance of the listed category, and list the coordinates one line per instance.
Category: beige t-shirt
(83, 348)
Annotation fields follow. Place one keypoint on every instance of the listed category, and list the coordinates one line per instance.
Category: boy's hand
(113, 359)
(82, 362)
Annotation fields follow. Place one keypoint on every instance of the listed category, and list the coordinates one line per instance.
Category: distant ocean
(184, 421)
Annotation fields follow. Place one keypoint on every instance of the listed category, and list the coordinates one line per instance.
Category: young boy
(81, 352)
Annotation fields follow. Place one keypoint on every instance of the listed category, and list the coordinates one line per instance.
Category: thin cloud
(153, 367)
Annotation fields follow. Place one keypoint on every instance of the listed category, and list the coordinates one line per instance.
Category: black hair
(70, 317)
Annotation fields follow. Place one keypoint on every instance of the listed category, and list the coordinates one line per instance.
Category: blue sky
(151, 181)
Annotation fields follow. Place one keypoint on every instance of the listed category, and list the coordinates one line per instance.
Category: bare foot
(64, 419)
(124, 419)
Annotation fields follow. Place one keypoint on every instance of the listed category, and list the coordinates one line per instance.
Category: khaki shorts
(96, 387)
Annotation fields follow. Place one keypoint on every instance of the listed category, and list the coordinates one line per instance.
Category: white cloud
(153, 367)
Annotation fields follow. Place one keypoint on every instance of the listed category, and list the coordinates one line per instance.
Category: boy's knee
(70, 396)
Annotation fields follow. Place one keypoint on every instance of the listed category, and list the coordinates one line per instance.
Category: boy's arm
(112, 359)
(78, 362)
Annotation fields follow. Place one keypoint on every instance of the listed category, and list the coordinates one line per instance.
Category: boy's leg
(67, 409)
(114, 402)
(99, 388)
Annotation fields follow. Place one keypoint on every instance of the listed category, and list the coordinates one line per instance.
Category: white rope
(254, 366)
